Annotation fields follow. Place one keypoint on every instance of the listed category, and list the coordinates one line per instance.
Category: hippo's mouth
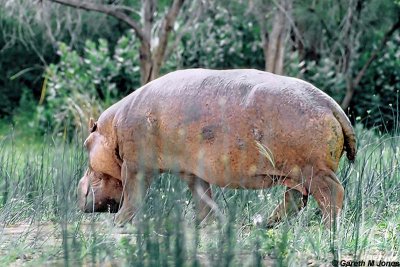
(107, 205)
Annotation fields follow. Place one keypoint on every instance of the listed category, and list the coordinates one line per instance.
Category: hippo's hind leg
(135, 184)
(329, 193)
(202, 195)
(294, 202)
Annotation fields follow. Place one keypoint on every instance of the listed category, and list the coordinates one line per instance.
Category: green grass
(40, 222)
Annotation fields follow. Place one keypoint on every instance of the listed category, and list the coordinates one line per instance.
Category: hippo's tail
(349, 136)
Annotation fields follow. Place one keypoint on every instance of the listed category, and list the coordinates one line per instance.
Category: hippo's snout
(89, 202)
(99, 193)
(105, 205)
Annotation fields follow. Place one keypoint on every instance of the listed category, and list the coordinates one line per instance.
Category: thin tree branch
(108, 10)
(166, 28)
(127, 8)
(148, 9)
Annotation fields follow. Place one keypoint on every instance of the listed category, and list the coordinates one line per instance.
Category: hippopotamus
(242, 129)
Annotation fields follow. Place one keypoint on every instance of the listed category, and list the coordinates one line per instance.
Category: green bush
(82, 86)
(22, 124)
(224, 40)
(377, 98)
(28, 36)
(323, 74)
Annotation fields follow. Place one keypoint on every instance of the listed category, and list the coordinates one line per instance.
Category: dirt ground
(27, 244)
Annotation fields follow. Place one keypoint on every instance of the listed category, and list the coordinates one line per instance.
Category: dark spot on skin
(208, 132)
(240, 143)
(258, 135)
(193, 113)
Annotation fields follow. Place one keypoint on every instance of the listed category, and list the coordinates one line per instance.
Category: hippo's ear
(92, 125)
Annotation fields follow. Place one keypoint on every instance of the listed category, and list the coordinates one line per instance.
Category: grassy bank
(40, 222)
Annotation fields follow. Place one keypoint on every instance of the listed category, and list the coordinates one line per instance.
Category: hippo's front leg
(135, 184)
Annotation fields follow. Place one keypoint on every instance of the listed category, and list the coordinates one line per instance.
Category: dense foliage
(80, 87)
(74, 74)
(28, 44)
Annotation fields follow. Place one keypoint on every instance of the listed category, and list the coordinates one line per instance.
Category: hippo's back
(234, 85)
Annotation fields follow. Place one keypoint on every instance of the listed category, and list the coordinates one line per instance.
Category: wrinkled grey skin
(233, 128)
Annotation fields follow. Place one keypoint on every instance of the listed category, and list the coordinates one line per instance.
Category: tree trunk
(265, 45)
(164, 32)
(277, 38)
(151, 58)
(146, 65)
(349, 94)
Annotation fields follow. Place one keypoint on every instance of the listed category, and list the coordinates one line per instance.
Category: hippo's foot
(123, 217)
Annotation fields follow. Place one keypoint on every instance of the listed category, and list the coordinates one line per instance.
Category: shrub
(82, 86)
(376, 99)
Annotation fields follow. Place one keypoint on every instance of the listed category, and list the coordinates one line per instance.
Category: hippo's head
(99, 192)
(100, 189)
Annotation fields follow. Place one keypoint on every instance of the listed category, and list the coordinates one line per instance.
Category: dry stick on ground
(352, 85)
(151, 58)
